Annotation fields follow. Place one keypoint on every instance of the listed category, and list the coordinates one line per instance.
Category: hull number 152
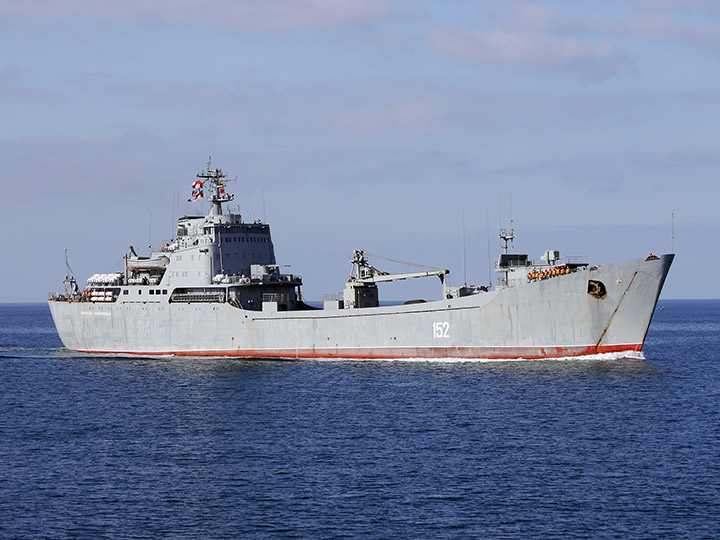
(440, 329)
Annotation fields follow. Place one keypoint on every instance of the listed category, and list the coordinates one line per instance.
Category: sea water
(97, 447)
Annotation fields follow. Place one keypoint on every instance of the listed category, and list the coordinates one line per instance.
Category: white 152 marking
(440, 329)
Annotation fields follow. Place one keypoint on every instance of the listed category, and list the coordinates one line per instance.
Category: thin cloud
(666, 155)
(705, 7)
(357, 108)
(15, 86)
(655, 25)
(277, 15)
(538, 52)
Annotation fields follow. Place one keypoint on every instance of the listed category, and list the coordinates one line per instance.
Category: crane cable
(416, 265)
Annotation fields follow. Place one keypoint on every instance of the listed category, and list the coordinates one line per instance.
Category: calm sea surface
(178, 448)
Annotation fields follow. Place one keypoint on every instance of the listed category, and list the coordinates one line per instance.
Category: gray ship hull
(534, 319)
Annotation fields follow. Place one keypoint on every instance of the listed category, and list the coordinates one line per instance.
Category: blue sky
(370, 125)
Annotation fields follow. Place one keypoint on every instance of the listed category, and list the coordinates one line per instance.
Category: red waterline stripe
(530, 353)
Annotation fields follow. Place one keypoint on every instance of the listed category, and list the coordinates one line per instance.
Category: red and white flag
(197, 191)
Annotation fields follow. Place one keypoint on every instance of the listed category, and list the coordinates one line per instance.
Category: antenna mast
(507, 236)
(672, 232)
(464, 250)
(487, 229)
(671, 241)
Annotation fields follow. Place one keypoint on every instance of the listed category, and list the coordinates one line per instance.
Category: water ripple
(603, 447)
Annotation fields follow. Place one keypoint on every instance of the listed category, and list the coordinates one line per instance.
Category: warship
(216, 289)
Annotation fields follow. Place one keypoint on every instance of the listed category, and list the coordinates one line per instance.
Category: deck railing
(280, 298)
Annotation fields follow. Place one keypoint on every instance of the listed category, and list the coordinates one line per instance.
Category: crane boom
(382, 278)
(364, 272)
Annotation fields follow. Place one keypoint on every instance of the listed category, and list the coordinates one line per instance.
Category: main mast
(505, 237)
(216, 188)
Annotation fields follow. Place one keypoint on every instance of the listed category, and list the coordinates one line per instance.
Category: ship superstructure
(216, 289)
(213, 258)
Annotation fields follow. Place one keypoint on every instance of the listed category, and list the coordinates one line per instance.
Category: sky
(395, 126)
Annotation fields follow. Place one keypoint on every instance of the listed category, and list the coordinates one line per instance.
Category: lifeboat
(156, 262)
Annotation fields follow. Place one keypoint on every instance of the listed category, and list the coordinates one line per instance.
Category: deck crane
(361, 287)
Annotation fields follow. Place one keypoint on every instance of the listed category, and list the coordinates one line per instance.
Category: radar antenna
(507, 236)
